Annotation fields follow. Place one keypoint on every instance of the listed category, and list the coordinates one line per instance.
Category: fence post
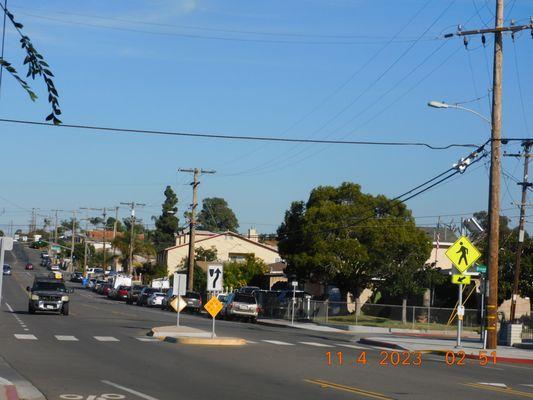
(414, 311)
(356, 316)
(327, 309)
(429, 316)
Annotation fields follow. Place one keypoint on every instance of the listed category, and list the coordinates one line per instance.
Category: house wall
(443, 262)
(225, 245)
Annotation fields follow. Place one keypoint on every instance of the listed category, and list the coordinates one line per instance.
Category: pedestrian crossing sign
(463, 254)
(461, 279)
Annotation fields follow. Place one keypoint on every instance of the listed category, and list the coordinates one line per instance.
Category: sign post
(180, 280)
(6, 244)
(213, 307)
(463, 254)
(294, 284)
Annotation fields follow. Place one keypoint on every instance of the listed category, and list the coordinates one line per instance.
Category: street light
(440, 104)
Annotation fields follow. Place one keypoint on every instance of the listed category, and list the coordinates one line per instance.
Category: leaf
(18, 25)
(50, 117)
(57, 121)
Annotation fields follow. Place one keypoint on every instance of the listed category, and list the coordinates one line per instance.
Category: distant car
(48, 295)
(194, 302)
(54, 267)
(7, 269)
(248, 289)
(242, 306)
(76, 277)
(133, 293)
(105, 289)
(44, 254)
(29, 267)
(94, 271)
(90, 283)
(56, 275)
(155, 299)
(144, 294)
(121, 293)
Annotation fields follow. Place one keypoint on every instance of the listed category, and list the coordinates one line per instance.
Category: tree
(37, 66)
(206, 254)
(349, 238)
(242, 273)
(216, 216)
(1, 233)
(167, 224)
(110, 224)
(140, 247)
(95, 221)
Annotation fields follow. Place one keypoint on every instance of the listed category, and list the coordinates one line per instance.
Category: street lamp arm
(441, 104)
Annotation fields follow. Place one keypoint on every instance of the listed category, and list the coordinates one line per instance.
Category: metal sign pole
(2, 264)
(178, 290)
(293, 302)
(459, 317)
(213, 332)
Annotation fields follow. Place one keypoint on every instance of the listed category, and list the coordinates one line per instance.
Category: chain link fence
(379, 315)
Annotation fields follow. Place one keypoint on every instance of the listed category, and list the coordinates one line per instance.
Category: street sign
(178, 304)
(482, 269)
(461, 279)
(213, 306)
(180, 281)
(460, 312)
(215, 273)
(463, 254)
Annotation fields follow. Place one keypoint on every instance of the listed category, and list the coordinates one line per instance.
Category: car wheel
(253, 320)
(64, 309)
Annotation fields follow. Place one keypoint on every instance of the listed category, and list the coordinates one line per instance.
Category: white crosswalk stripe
(351, 346)
(250, 341)
(25, 336)
(316, 344)
(106, 339)
(66, 338)
(147, 339)
(278, 342)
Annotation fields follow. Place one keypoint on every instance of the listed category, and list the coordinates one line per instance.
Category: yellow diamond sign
(463, 254)
(213, 306)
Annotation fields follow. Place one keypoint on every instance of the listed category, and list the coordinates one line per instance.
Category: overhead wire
(3, 44)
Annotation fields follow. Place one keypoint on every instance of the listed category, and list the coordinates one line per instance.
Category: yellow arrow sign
(177, 303)
(213, 306)
(463, 254)
(461, 279)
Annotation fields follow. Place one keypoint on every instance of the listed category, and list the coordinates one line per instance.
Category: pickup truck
(48, 294)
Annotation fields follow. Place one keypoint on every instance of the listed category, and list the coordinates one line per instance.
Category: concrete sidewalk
(14, 387)
(299, 325)
(441, 346)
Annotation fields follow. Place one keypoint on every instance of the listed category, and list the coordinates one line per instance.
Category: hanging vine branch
(37, 66)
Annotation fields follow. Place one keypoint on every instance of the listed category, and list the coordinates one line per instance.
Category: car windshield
(192, 295)
(242, 298)
(49, 286)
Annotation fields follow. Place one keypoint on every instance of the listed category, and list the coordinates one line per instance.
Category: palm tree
(140, 247)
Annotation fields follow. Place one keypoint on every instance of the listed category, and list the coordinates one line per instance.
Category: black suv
(48, 294)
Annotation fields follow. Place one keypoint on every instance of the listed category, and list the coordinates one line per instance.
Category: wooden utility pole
(72, 240)
(104, 214)
(132, 232)
(115, 233)
(521, 227)
(192, 224)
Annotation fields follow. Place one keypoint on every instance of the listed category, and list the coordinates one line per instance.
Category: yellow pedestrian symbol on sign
(463, 254)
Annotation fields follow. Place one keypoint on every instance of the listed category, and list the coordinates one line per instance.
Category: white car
(156, 299)
(54, 267)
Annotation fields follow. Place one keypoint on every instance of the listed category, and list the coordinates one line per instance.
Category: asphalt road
(101, 351)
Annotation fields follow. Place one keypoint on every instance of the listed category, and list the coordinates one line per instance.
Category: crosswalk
(147, 339)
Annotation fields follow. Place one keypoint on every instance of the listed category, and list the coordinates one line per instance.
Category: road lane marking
(106, 339)
(147, 339)
(66, 338)
(325, 385)
(126, 389)
(507, 390)
(278, 342)
(351, 346)
(251, 342)
(22, 336)
(316, 344)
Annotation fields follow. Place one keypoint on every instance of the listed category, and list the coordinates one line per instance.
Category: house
(442, 239)
(230, 246)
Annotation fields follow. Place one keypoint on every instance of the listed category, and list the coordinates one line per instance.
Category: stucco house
(230, 246)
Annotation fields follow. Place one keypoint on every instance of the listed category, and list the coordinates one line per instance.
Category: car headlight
(64, 298)
(35, 297)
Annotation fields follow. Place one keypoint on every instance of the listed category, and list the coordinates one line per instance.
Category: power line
(3, 45)
(235, 137)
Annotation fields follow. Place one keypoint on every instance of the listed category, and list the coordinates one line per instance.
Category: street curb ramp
(13, 386)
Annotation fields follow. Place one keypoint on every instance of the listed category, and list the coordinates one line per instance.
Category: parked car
(97, 285)
(242, 306)
(133, 293)
(106, 288)
(194, 302)
(7, 269)
(95, 271)
(155, 299)
(76, 277)
(144, 294)
(169, 296)
(56, 275)
(90, 283)
(29, 267)
(121, 293)
(248, 289)
(54, 267)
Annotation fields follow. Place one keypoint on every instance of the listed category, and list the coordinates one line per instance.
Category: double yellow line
(325, 384)
(508, 391)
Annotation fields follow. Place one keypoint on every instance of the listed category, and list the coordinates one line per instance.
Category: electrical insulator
(512, 36)
(483, 40)
(465, 42)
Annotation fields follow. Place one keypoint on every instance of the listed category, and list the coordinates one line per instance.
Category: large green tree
(351, 239)
(167, 224)
(216, 216)
(241, 273)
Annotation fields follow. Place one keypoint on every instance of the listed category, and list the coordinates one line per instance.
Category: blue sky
(307, 69)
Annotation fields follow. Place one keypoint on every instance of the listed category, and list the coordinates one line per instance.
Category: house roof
(212, 235)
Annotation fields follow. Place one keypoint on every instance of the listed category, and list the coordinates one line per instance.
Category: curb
(221, 341)
(13, 386)
(380, 343)
(10, 392)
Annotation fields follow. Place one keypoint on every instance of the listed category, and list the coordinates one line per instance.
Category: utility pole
(192, 224)
(521, 227)
(495, 165)
(55, 225)
(115, 232)
(72, 240)
(104, 214)
(132, 232)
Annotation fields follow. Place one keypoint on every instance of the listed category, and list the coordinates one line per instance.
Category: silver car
(242, 306)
